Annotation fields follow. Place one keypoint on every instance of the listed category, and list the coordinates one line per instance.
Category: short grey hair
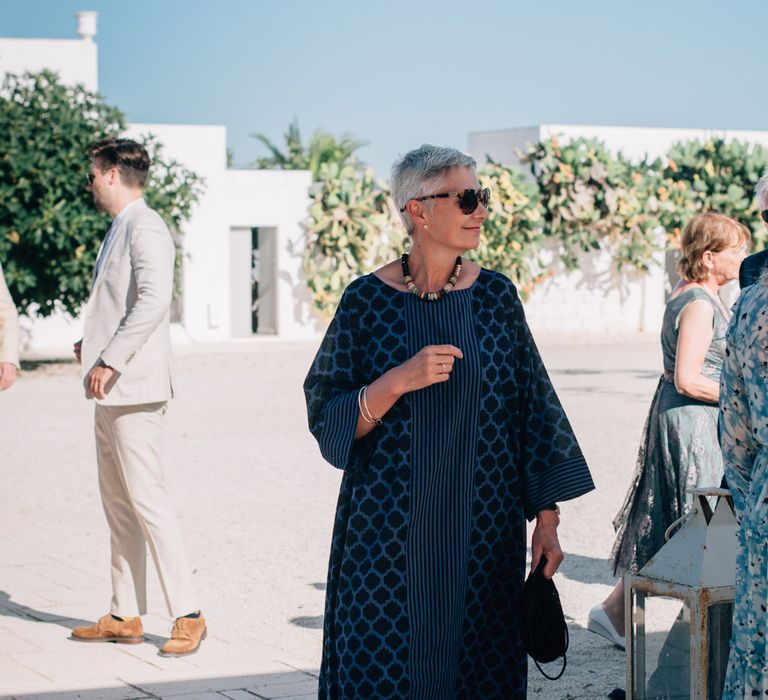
(761, 191)
(420, 171)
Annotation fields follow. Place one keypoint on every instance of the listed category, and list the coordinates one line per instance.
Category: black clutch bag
(545, 634)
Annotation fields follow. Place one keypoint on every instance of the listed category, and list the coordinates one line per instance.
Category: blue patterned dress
(679, 450)
(428, 553)
(744, 439)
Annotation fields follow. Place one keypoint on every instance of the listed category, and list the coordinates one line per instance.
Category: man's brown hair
(129, 157)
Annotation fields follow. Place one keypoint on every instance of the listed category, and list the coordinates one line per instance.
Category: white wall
(593, 300)
(75, 60)
(236, 199)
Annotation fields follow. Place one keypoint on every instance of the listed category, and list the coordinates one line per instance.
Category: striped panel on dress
(445, 424)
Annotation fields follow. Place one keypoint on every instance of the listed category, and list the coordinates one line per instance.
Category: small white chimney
(86, 24)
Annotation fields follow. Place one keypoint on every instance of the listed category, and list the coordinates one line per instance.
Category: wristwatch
(552, 506)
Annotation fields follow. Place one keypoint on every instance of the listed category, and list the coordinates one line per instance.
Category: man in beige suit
(125, 354)
(9, 336)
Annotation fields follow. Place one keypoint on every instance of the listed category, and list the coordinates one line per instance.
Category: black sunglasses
(468, 199)
(764, 214)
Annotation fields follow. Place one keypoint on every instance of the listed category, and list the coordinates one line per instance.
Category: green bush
(351, 229)
(721, 176)
(591, 201)
(511, 239)
(582, 199)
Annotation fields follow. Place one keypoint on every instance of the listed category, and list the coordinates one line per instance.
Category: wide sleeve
(331, 389)
(551, 463)
(737, 436)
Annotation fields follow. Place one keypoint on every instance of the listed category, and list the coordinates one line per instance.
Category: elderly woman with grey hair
(429, 393)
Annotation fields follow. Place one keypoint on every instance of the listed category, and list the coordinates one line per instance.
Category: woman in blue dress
(744, 439)
(679, 450)
(429, 393)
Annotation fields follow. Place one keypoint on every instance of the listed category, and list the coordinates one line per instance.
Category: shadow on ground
(587, 569)
(633, 373)
(10, 608)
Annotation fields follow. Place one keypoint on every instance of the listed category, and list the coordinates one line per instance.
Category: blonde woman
(679, 449)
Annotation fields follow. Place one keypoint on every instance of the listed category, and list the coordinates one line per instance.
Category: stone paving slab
(90, 690)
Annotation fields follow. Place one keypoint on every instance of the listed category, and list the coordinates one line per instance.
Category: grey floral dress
(679, 450)
(744, 439)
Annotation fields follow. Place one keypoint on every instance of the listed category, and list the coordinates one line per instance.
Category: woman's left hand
(545, 542)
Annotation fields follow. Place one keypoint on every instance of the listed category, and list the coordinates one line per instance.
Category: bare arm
(431, 365)
(693, 342)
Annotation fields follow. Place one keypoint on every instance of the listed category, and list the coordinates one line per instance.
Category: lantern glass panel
(663, 652)
(719, 633)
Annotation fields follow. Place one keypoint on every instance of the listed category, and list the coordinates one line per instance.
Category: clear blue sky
(398, 73)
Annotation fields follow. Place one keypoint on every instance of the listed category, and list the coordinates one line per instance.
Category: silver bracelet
(360, 406)
(367, 415)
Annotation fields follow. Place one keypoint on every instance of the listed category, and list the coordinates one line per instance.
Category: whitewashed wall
(75, 60)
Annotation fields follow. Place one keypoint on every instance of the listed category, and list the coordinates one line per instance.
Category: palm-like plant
(323, 147)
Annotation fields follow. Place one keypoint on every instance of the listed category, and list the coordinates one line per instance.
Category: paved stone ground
(256, 502)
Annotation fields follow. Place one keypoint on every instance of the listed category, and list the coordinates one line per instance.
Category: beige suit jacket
(9, 325)
(128, 313)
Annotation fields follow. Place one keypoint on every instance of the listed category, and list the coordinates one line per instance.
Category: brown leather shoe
(107, 629)
(186, 636)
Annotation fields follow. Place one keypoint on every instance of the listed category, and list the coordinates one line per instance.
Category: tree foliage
(50, 232)
(323, 148)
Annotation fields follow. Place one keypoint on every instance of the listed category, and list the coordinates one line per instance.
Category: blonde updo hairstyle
(707, 232)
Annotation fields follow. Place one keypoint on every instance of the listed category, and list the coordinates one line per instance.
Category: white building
(593, 300)
(246, 226)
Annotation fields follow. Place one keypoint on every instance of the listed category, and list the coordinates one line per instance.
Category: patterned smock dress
(744, 438)
(428, 553)
(679, 450)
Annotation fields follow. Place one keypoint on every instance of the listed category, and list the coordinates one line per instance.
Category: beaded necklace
(429, 296)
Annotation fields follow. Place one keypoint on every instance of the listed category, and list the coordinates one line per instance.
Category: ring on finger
(442, 364)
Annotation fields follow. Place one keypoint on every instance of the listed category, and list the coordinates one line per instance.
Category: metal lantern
(679, 651)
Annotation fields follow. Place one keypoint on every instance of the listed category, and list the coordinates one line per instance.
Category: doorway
(253, 281)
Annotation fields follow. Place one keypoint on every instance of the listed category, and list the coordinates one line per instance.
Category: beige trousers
(139, 510)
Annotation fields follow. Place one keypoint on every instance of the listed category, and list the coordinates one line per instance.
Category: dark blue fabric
(752, 267)
(428, 552)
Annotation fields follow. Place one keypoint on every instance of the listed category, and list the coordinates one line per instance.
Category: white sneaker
(599, 623)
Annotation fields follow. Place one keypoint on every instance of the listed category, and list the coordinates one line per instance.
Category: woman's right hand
(430, 365)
